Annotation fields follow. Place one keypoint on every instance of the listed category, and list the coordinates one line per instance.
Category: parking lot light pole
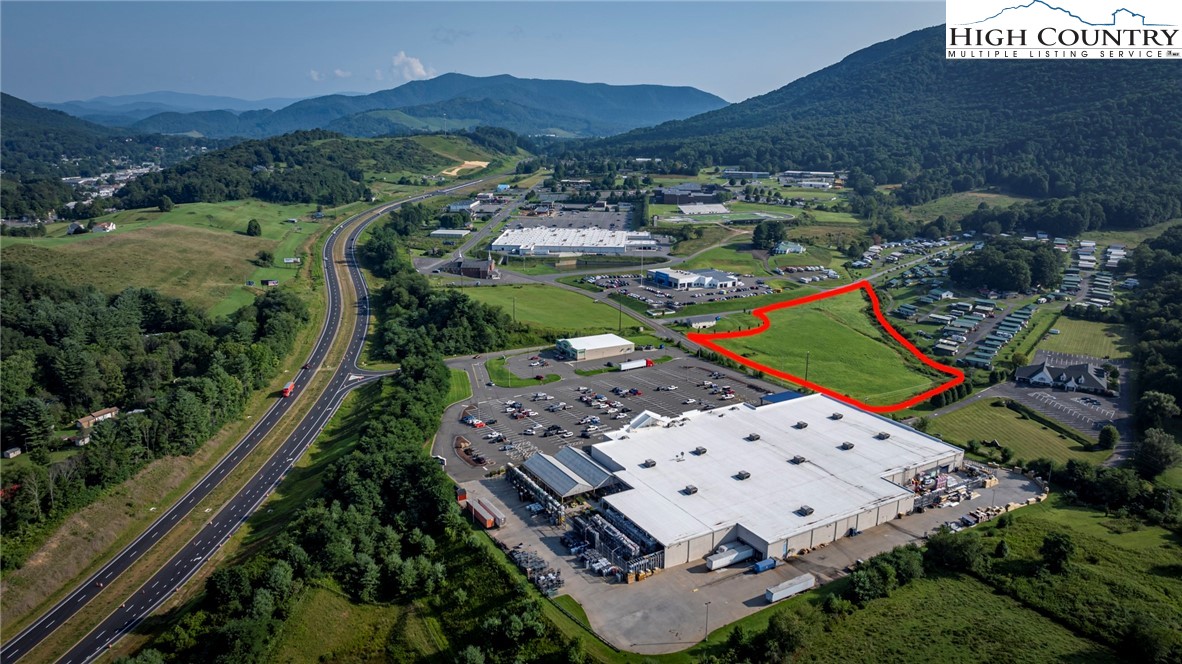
(707, 634)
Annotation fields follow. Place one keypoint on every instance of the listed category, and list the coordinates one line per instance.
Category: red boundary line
(707, 340)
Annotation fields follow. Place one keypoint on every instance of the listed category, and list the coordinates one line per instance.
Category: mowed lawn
(845, 348)
(1083, 337)
(198, 252)
(549, 306)
(1027, 438)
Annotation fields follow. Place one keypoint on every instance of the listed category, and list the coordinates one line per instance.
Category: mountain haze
(584, 109)
(124, 110)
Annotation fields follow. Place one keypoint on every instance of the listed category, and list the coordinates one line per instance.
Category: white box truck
(729, 554)
(790, 588)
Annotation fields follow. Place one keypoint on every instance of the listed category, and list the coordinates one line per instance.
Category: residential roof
(835, 482)
(1083, 375)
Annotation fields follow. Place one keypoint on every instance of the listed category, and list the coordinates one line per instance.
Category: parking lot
(666, 612)
(503, 439)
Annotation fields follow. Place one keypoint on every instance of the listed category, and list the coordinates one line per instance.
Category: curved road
(222, 525)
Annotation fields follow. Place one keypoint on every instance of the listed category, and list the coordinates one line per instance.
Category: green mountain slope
(609, 107)
(901, 112)
(463, 113)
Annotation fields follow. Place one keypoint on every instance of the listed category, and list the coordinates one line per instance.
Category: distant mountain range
(125, 110)
(901, 112)
(450, 101)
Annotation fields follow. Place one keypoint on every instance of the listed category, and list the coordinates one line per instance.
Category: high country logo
(1063, 29)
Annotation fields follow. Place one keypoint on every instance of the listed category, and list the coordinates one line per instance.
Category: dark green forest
(175, 375)
(1009, 264)
(1108, 133)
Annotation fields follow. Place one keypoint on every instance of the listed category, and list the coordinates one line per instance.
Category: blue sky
(57, 51)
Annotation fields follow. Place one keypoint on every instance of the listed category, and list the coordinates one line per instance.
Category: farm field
(843, 346)
(1027, 438)
(198, 252)
(1106, 340)
(956, 206)
(548, 306)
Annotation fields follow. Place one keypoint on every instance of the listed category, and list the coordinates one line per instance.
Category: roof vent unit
(648, 463)
(836, 416)
(752, 436)
(699, 451)
(847, 445)
(804, 510)
(882, 435)
(801, 425)
(798, 459)
(742, 475)
(690, 490)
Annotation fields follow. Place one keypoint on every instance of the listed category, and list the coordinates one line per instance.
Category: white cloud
(378, 75)
(315, 75)
(411, 68)
(341, 73)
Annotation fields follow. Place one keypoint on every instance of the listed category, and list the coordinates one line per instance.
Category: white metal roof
(573, 239)
(596, 341)
(834, 482)
(585, 467)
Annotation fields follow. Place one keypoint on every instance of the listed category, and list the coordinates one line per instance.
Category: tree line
(385, 526)
(1009, 264)
(176, 376)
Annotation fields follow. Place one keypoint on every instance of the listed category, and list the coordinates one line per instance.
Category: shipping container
(288, 389)
(633, 364)
(480, 515)
(498, 517)
(764, 565)
(735, 553)
(789, 588)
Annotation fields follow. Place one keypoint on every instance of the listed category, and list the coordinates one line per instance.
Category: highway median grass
(77, 549)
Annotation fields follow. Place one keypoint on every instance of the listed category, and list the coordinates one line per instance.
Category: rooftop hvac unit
(882, 435)
(690, 490)
(847, 445)
(804, 510)
(798, 459)
(752, 436)
(742, 474)
(801, 425)
(699, 450)
(836, 416)
(648, 463)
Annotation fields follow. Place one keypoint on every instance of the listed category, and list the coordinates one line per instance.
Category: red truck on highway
(288, 389)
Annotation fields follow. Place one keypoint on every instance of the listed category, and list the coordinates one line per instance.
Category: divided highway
(222, 524)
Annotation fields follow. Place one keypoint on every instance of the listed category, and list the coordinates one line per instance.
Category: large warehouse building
(595, 347)
(544, 241)
(782, 478)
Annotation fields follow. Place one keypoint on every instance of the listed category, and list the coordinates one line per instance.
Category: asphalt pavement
(226, 521)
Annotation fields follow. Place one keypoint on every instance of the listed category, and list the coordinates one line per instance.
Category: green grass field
(1106, 340)
(198, 252)
(551, 307)
(1028, 439)
(735, 257)
(929, 620)
(1130, 238)
(460, 387)
(956, 206)
(845, 350)
(711, 235)
(325, 625)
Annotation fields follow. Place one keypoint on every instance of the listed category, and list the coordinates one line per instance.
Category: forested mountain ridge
(901, 112)
(605, 107)
(301, 167)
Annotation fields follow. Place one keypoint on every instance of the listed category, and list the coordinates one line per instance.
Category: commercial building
(782, 478)
(569, 473)
(450, 233)
(703, 208)
(685, 280)
(596, 347)
(541, 241)
(462, 206)
(1077, 377)
(746, 175)
(787, 247)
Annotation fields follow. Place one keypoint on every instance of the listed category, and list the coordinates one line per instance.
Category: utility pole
(807, 355)
(514, 309)
(707, 634)
(620, 322)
